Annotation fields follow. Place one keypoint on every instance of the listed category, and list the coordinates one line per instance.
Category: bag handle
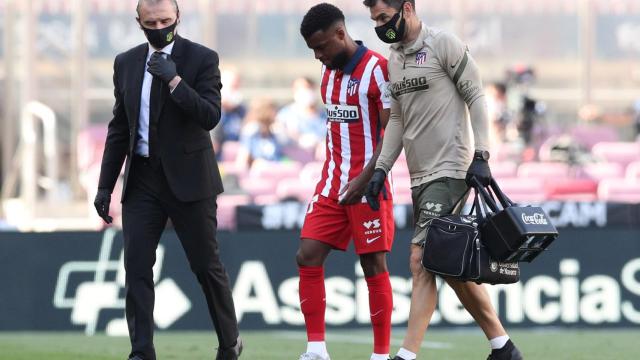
(492, 194)
(500, 195)
(485, 195)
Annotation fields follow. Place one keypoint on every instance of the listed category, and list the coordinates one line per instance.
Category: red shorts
(334, 224)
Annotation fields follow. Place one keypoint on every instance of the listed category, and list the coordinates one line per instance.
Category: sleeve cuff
(383, 168)
(175, 87)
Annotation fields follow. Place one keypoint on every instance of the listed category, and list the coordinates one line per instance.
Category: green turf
(343, 345)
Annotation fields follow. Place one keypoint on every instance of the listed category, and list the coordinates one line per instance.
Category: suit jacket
(185, 118)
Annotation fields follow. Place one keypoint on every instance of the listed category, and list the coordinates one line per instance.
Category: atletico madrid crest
(352, 86)
(421, 57)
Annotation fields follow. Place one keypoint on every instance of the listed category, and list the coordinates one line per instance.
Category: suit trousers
(148, 205)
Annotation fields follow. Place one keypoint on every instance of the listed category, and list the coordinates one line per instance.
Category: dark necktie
(154, 114)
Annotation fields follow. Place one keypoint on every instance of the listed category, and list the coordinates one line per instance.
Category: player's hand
(163, 68)
(102, 202)
(479, 169)
(353, 192)
(376, 184)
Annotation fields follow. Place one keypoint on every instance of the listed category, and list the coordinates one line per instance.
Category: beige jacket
(437, 105)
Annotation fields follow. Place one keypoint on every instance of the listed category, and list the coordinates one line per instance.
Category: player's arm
(392, 144)
(117, 143)
(384, 116)
(115, 151)
(383, 99)
(464, 72)
(391, 148)
(354, 191)
(201, 101)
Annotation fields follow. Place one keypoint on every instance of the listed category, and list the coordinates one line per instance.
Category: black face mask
(389, 33)
(159, 38)
(339, 62)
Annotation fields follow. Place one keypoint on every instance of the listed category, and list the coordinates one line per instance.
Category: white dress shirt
(142, 147)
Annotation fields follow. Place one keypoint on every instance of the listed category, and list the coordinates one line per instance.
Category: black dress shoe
(230, 353)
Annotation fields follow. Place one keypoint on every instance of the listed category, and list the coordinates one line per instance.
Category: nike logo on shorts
(369, 241)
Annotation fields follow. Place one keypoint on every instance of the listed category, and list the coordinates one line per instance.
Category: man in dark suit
(167, 100)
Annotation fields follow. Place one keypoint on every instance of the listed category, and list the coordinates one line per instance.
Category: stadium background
(566, 136)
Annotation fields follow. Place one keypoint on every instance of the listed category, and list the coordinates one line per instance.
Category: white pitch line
(354, 339)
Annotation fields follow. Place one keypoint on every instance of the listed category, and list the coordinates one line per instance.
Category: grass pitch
(343, 345)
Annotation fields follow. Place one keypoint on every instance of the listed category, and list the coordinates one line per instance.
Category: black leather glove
(102, 202)
(376, 184)
(163, 68)
(479, 169)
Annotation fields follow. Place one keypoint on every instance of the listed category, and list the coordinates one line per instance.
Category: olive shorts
(441, 196)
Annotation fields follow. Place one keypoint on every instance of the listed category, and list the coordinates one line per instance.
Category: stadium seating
(311, 172)
(257, 187)
(400, 168)
(616, 177)
(589, 135)
(293, 188)
(572, 189)
(230, 150)
(543, 170)
(524, 190)
(401, 189)
(503, 169)
(622, 153)
(233, 168)
(633, 171)
(619, 190)
(266, 170)
(266, 199)
(402, 198)
(600, 171)
(227, 209)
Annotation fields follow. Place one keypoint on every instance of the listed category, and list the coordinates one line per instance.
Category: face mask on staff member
(160, 38)
(394, 30)
(158, 21)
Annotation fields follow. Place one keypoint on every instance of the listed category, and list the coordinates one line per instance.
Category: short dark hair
(396, 4)
(319, 18)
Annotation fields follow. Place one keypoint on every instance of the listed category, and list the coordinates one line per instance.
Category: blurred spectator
(233, 111)
(498, 111)
(590, 113)
(564, 148)
(258, 139)
(527, 119)
(528, 111)
(636, 118)
(304, 123)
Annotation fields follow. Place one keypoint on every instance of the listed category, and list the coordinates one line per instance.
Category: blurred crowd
(270, 152)
(524, 130)
(262, 131)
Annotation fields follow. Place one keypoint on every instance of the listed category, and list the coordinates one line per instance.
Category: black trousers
(148, 205)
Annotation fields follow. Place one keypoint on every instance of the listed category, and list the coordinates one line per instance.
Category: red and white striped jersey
(353, 97)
